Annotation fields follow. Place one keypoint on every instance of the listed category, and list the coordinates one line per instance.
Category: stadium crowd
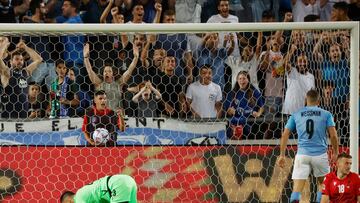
(255, 79)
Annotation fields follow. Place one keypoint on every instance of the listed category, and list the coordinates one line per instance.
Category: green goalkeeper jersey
(122, 187)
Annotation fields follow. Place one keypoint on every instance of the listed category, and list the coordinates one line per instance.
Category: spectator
(259, 6)
(325, 14)
(15, 80)
(323, 46)
(268, 16)
(241, 103)
(94, 10)
(225, 17)
(209, 53)
(84, 98)
(172, 88)
(304, 42)
(36, 9)
(337, 71)
(44, 45)
(312, 18)
(100, 116)
(147, 99)
(152, 66)
(354, 10)
(139, 74)
(299, 82)
(37, 101)
(64, 99)
(328, 101)
(137, 13)
(9, 13)
(176, 45)
(126, 47)
(302, 8)
(339, 12)
(107, 43)
(108, 83)
(266, 36)
(249, 62)
(117, 17)
(208, 8)
(242, 9)
(271, 62)
(204, 97)
(73, 45)
(150, 9)
(246, 38)
(188, 11)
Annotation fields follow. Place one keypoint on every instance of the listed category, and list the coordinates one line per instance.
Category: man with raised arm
(15, 79)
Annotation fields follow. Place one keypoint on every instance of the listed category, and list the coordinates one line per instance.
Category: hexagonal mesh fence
(191, 116)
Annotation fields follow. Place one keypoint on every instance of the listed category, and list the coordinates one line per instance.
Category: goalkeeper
(113, 189)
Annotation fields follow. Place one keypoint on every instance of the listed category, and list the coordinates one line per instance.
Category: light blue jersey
(311, 125)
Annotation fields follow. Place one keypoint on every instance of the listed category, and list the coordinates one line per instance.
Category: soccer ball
(101, 136)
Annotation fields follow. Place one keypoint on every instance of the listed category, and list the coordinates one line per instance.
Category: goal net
(203, 106)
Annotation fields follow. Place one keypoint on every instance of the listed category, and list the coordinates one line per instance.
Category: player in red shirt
(341, 186)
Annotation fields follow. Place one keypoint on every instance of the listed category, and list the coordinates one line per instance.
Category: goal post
(218, 27)
(162, 164)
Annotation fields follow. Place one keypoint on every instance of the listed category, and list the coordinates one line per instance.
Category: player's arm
(333, 136)
(88, 139)
(290, 126)
(283, 143)
(35, 57)
(120, 121)
(334, 141)
(324, 199)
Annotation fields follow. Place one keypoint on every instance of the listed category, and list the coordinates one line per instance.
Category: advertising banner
(139, 131)
(163, 174)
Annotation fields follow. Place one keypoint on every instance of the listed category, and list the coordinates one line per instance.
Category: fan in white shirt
(225, 17)
(249, 62)
(204, 97)
(299, 82)
(302, 8)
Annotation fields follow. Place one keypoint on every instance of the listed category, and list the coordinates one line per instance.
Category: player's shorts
(303, 164)
(123, 189)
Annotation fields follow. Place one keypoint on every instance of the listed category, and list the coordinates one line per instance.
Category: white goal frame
(34, 29)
